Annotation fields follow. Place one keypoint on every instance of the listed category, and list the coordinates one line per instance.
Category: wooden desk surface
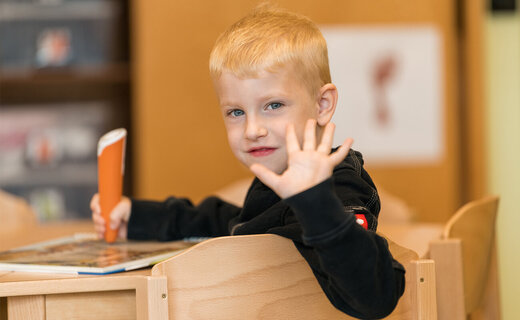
(19, 277)
(10, 239)
(38, 233)
(27, 296)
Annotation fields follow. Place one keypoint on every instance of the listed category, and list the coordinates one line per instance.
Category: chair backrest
(15, 213)
(463, 258)
(265, 277)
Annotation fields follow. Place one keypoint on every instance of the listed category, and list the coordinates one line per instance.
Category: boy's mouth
(261, 151)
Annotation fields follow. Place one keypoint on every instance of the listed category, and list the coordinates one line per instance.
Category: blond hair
(270, 39)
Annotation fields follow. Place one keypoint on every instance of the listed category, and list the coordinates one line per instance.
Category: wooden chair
(464, 260)
(265, 277)
(15, 213)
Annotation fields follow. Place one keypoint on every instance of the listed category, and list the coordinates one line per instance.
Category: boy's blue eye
(236, 112)
(274, 105)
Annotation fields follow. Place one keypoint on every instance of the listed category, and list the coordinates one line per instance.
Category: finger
(98, 219)
(118, 214)
(291, 140)
(309, 141)
(265, 175)
(99, 228)
(326, 138)
(125, 205)
(342, 152)
(94, 204)
(122, 233)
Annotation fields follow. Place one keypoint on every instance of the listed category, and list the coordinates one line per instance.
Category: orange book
(111, 167)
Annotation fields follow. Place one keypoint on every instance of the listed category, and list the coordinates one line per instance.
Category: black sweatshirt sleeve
(176, 218)
(353, 265)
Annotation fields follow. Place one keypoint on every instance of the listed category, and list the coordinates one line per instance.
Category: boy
(271, 74)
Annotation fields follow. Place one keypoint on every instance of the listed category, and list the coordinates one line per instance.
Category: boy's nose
(255, 129)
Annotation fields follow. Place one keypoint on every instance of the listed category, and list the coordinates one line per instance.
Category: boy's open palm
(307, 166)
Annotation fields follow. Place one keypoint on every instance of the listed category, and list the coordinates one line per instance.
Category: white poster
(390, 93)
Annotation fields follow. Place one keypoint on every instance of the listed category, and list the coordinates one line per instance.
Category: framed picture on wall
(390, 92)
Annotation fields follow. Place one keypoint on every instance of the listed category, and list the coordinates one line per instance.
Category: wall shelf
(64, 82)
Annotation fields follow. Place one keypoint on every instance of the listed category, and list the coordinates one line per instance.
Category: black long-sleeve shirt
(353, 266)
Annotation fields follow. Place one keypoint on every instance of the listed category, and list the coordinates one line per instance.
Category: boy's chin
(278, 169)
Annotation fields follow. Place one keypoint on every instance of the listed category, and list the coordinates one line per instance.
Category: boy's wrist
(142, 220)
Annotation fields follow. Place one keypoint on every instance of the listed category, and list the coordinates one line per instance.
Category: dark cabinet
(64, 82)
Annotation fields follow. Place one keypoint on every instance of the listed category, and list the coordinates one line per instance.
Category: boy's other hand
(307, 166)
(118, 217)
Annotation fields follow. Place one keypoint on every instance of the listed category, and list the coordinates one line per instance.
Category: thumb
(265, 175)
(119, 214)
(94, 204)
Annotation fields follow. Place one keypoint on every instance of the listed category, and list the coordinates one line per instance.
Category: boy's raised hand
(307, 166)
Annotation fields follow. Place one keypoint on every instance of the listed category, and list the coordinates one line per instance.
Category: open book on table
(84, 254)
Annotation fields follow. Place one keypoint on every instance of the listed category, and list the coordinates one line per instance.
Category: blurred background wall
(177, 120)
(502, 51)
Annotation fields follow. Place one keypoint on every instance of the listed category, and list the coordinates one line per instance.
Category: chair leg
(422, 278)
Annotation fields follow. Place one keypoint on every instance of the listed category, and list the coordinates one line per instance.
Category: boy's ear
(327, 99)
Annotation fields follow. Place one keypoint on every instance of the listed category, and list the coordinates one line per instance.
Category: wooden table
(39, 296)
(31, 234)
(128, 295)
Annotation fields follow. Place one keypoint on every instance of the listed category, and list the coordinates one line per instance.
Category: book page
(92, 253)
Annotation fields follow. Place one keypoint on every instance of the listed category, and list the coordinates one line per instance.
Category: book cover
(84, 254)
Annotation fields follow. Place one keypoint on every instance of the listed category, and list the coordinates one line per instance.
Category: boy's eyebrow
(273, 95)
(270, 96)
(225, 104)
(261, 99)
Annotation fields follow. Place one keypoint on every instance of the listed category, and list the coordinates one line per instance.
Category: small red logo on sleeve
(362, 220)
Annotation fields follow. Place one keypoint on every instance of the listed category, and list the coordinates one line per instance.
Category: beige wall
(503, 120)
(179, 140)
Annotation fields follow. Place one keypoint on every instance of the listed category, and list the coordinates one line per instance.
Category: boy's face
(257, 111)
